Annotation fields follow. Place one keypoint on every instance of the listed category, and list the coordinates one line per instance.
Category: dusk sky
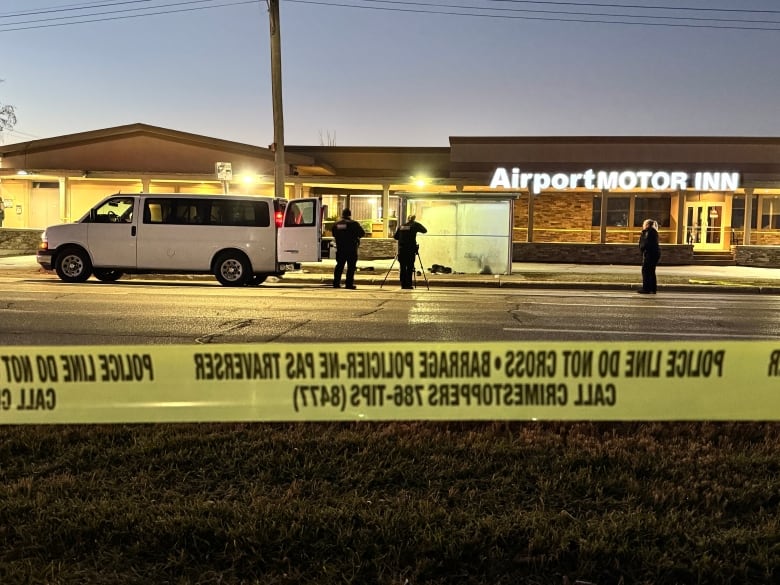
(392, 73)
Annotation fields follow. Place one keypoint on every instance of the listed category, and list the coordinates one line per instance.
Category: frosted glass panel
(470, 237)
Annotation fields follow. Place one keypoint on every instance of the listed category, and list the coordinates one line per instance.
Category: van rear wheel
(232, 269)
(73, 265)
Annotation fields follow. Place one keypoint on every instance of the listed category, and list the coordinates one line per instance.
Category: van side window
(186, 212)
(157, 210)
(152, 212)
(227, 212)
(241, 213)
(215, 213)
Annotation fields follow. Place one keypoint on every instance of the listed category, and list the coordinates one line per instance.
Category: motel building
(486, 201)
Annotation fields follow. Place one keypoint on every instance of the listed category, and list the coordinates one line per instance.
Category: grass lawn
(391, 503)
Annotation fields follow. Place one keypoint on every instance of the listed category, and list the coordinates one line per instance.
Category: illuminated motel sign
(626, 180)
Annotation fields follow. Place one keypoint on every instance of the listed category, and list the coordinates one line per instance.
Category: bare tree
(330, 140)
(7, 116)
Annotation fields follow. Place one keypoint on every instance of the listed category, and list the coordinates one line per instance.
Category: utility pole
(280, 170)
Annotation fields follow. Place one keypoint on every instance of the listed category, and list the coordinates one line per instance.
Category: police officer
(651, 255)
(406, 235)
(347, 233)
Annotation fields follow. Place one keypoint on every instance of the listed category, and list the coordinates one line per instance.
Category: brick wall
(557, 218)
(567, 218)
(757, 237)
(764, 238)
(572, 253)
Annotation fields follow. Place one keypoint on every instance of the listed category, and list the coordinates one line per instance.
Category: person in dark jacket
(406, 235)
(651, 255)
(347, 233)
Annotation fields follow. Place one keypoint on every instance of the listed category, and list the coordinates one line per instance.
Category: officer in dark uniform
(651, 254)
(406, 235)
(347, 233)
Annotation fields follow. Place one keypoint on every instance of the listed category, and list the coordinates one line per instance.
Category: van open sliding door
(298, 238)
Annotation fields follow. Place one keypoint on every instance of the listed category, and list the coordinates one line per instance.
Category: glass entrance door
(704, 225)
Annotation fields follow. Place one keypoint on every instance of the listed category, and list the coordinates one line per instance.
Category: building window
(657, 208)
(770, 213)
(617, 211)
(738, 212)
(366, 208)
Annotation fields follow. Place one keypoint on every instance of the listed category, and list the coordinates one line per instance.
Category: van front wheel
(73, 265)
(232, 269)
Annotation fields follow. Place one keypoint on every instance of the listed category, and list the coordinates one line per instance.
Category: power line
(89, 14)
(22, 134)
(72, 7)
(103, 4)
(146, 10)
(87, 18)
(638, 6)
(565, 12)
(599, 20)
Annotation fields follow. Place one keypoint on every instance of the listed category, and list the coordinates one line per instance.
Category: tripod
(414, 272)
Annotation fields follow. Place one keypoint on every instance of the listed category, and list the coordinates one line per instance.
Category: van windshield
(115, 210)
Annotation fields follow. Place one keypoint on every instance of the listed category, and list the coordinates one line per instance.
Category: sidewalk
(572, 276)
(740, 279)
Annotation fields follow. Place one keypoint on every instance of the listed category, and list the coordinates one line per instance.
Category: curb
(540, 284)
(389, 280)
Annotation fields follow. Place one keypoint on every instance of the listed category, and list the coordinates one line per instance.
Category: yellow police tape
(717, 380)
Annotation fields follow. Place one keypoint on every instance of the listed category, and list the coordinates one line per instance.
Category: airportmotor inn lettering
(610, 180)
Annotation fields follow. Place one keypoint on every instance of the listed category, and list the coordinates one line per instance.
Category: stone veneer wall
(596, 253)
(376, 248)
(370, 248)
(758, 256)
(19, 242)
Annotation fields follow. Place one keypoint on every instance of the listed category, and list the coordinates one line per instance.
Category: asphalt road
(41, 310)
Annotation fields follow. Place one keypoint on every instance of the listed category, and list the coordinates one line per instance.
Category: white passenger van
(239, 239)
